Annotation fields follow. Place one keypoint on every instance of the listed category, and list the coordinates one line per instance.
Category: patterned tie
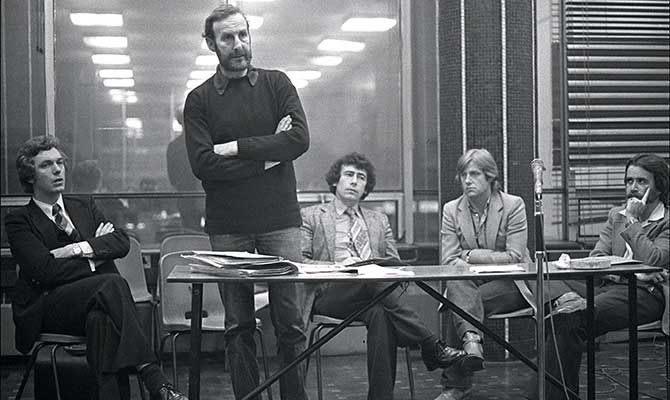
(359, 236)
(62, 223)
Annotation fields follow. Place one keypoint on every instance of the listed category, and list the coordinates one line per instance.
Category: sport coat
(318, 233)
(650, 245)
(31, 236)
(506, 232)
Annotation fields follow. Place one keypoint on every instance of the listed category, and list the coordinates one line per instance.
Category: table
(421, 274)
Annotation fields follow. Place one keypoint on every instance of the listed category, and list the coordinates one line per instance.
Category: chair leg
(29, 367)
(309, 344)
(319, 376)
(140, 385)
(410, 373)
(161, 347)
(175, 382)
(265, 360)
(55, 369)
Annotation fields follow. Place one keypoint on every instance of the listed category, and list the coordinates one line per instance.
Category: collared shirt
(479, 223)
(47, 209)
(221, 81)
(344, 247)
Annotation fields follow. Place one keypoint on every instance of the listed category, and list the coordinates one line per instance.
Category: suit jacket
(651, 245)
(318, 233)
(506, 232)
(31, 236)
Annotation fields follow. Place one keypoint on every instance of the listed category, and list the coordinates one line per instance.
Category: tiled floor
(345, 377)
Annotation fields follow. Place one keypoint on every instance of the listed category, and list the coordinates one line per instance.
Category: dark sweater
(243, 197)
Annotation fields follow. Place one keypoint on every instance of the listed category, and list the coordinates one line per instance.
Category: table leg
(346, 322)
(632, 336)
(590, 343)
(437, 296)
(196, 332)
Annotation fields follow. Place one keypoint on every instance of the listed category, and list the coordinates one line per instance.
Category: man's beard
(229, 65)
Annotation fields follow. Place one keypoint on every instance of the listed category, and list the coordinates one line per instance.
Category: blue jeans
(288, 310)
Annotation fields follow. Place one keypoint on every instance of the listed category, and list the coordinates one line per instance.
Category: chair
(322, 322)
(175, 308)
(131, 267)
(57, 341)
(185, 242)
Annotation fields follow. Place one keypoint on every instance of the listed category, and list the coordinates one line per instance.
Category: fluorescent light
(340, 45)
(192, 83)
(255, 21)
(115, 42)
(207, 60)
(118, 82)
(201, 74)
(299, 83)
(91, 19)
(327, 61)
(118, 98)
(115, 73)
(368, 24)
(134, 123)
(306, 75)
(113, 59)
(131, 99)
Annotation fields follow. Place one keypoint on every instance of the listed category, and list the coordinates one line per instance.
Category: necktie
(62, 223)
(359, 236)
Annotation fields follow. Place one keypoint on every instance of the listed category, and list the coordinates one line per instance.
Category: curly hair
(218, 14)
(357, 160)
(482, 159)
(658, 167)
(25, 165)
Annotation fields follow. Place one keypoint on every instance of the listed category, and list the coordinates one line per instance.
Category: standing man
(639, 230)
(483, 226)
(68, 282)
(343, 232)
(244, 127)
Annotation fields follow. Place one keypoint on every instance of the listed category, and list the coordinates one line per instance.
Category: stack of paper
(239, 263)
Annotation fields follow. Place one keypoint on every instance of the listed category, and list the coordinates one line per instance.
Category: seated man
(640, 230)
(483, 226)
(68, 282)
(344, 232)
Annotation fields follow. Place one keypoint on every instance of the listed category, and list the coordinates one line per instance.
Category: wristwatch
(76, 250)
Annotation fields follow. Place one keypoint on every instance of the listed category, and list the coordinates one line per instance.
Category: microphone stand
(540, 257)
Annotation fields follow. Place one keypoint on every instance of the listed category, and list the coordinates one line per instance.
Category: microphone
(537, 166)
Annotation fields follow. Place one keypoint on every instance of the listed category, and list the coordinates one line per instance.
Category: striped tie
(359, 236)
(62, 223)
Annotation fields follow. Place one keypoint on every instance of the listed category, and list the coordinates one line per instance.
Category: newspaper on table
(239, 263)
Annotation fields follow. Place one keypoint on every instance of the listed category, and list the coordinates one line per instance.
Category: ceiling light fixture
(92, 19)
(368, 24)
(108, 42)
(305, 75)
(327, 61)
(115, 73)
(192, 83)
(299, 83)
(206, 60)
(112, 59)
(201, 74)
(340, 45)
(118, 82)
(134, 123)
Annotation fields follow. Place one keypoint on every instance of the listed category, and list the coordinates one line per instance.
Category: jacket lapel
(78, 215)
(43, 224)
(465, 223)
(328, 218)
(493, 219)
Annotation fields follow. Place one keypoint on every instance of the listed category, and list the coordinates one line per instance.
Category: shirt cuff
(91, 264)
(86, 249)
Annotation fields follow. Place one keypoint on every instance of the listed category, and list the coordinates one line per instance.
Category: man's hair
(482, 159)
(86, 176)
(658, 167)
(357, 160)
(219, 14)
(25, 165)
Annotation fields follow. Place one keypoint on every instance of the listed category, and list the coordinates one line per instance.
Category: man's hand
(350, 260)
(284, 124)
(104, 228)
(652, 277)
(635, 207)
(63, 252)
(228, 149)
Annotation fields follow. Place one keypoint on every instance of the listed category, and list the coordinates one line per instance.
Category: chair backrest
(175, 302)
(131, 268)
(185, 242)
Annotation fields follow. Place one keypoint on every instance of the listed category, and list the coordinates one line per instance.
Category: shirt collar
(340, 207)
(221, 81)
(656, 215)
(48, 208)
(473, 210)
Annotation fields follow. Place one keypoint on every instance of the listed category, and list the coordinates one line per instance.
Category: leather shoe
(439, 355)
(454, 394)
(168, 392)
(472, 345)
